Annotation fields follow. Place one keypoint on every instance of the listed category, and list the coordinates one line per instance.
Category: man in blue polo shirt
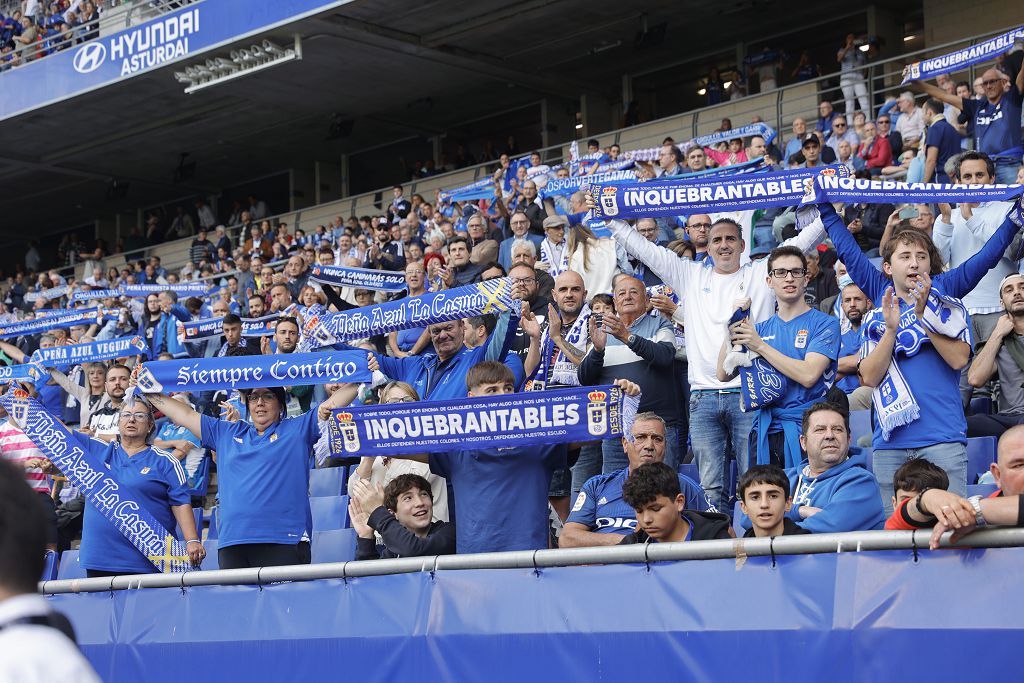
(996, 119)
(501, 494)
(441, 375)
(600, 516)
(801, 343)
(942, 141)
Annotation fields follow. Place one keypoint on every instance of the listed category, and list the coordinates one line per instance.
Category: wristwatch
(630, 339)
(975, 502)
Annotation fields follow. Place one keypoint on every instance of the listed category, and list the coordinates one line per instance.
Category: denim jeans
(952, 457)
(587, 465)
(719, 430)
(615, 458)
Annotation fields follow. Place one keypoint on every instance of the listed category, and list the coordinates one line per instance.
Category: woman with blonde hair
(381, 470)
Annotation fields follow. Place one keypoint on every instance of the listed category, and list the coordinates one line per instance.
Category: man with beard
(855, 305)
(384, 254)
(525, 287)
(1002, 354)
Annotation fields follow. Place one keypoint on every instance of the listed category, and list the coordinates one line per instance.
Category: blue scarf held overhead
(197, 289)
(93, 294)
(480, 189)
(89, 475)
(211, 328)
(363, 278)
(962, 58)
(90, 352)
(503, 421)
(83, 316)
(250, 372)
(834, 189)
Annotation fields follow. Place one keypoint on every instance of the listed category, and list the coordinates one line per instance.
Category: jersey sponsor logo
(615, 523)
(90, 57)
(580, 500)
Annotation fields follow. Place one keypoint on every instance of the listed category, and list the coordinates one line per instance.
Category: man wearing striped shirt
(17, 449)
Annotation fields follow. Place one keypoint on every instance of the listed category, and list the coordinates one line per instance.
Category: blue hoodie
(166, 332)
(847, 494)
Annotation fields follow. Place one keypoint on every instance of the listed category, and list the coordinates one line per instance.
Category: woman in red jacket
(875, 150)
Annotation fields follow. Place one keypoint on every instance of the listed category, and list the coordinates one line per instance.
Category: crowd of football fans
(650, 308)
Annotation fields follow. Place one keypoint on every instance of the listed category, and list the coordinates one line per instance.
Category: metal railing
(740, 548)
(777, 108)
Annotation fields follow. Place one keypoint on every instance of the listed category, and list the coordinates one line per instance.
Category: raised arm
(665, 263)
(863, 272)
(177, 412)
(13, 351)
(938, 93)
(965, 277)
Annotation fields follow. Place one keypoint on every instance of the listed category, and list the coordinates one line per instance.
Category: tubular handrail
(854, 541)
(877, 72)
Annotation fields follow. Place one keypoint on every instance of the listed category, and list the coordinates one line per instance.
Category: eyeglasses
(523, 280)
(883, 122)
(134, 417)
(401, 399)
(839, 125)
(781, 273)
(992, 81)
(265, 397)
(699, 226)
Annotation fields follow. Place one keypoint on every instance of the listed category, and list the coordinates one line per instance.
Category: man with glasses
(840, 132)
(800, 342)
(384, 253)
(698, 226)
(520, 226)
(885, 130)
(996, 117)
(531, 205)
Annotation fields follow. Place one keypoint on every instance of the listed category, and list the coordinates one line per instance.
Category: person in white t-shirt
(716, 284)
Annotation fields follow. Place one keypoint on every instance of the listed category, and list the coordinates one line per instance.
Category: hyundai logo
(90, 57)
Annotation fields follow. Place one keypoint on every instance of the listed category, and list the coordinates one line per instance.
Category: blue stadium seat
(50, 566)
(691, 471)
(200, 481)
(981, 452)
(860, 423)
(336, 545)
(329, 481)
(211, 561)
(985, 490)
(69, 566)
(981, 405)
(329, 512)
(198, 514)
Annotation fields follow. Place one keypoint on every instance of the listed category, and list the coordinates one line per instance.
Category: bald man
(1002, 354)
(1008, 469)
(996, 118)
(568, 340)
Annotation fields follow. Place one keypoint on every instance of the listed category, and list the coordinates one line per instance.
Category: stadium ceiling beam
(489, 18)
(414, 46)
(21, 164)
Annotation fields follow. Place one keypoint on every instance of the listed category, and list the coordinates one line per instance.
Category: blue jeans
(719, 430)
(587, 465)
(1006, 170)
(952, 457)
(615, 458)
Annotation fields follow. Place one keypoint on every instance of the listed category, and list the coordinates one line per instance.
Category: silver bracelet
(194, 540)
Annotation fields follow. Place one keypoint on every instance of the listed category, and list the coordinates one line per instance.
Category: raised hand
(891, 310)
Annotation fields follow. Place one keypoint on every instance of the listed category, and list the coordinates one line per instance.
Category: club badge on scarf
(249, 372)
(86, 472)
(505, 421)
(90, 352)
(490, 296)
(363, 278)
(655, 199)
(962, 58)
(893, 399)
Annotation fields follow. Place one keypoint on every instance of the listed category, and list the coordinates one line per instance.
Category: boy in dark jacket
(401, 514)
(765, 498)
(652, 490)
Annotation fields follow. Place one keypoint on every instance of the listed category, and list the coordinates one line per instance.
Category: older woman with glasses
(154, 478)
(414, 340)
(382, 470)
(263, 474)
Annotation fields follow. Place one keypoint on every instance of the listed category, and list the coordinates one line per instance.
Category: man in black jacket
(401, 513)
(653, 491)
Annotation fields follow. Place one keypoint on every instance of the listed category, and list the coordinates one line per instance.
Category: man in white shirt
(910, 124)
(36, 643)
(959, 234)
(716, 285)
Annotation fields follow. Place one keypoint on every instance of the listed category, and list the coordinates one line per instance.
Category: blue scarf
(481, 189)
(93, 294)
(566, 186)
(659, 198)
(196, 289)
(47, 294)
(249, 372)
(62, 319)
(832, 188)
(491, 296)
(762, 129)
(561, 416)
(363, 278)
(26, 372)
(962, 58)
(90, 352)
(211, 328)
(89, 474)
